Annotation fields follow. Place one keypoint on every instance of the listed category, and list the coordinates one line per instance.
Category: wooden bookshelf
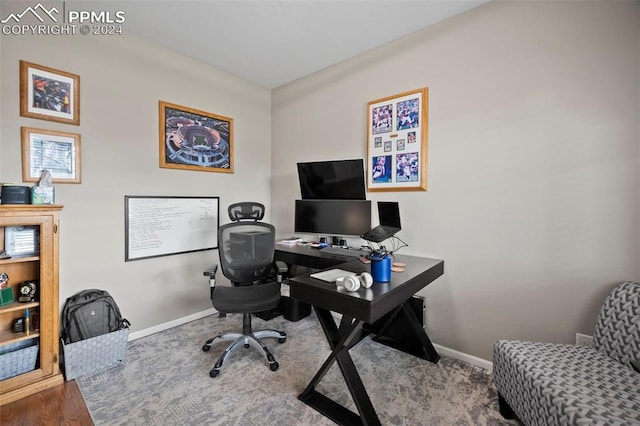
(42, 267)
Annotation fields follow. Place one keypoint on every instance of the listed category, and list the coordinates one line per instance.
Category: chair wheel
(282, 339)
(206, 348)
(274, 366)
(214, 373)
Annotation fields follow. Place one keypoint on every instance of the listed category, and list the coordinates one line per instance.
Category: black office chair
(246, 248)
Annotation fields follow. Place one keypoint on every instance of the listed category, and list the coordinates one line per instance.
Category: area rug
(165, 381)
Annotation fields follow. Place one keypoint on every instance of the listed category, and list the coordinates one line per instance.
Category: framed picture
(49, 94)
(58, 152)
(397, 142)
(195, 140)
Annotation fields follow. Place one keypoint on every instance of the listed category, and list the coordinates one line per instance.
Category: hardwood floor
(60, 405)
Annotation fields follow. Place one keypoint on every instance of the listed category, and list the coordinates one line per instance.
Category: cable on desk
(396, 244)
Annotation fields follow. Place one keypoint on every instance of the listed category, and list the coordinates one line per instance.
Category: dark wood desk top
(308, 256)
(365, 304)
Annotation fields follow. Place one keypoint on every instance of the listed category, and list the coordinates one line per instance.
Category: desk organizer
(18, 361)
(91, 356)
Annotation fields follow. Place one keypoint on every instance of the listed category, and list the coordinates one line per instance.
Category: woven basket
(91, 356)
(18, 362)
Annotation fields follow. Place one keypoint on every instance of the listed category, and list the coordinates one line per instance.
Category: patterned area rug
(165, 381)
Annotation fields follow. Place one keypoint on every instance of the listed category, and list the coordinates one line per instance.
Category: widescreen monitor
(332, 217)
(332, 180)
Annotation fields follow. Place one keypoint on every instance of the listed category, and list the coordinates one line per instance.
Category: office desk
(308, 256)
(360, 310)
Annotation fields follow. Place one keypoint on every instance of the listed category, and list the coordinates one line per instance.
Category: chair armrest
(281, 269)
(211, 272)
(636, 365)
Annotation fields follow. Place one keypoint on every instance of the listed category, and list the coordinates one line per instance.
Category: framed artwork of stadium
(191, 139)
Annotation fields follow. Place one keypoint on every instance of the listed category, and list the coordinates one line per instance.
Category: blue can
(381, 268)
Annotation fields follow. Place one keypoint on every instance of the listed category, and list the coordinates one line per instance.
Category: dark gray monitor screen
(333, 217)
(332, 180)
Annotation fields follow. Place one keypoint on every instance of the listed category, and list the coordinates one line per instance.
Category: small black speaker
(12, 194)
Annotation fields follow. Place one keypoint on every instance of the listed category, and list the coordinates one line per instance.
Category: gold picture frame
(191, 139)
(397, 142)
(57, 152)
(49, 94)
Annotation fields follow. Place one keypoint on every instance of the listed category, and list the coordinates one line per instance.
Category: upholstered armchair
(561, 384)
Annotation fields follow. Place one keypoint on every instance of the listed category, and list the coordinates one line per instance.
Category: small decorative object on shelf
(27, 321)
(6, 292)
(17, 326)
(28, 290)
(6, 296)
(22, 240)
(4, 280)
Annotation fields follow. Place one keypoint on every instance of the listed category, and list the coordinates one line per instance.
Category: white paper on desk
(290, 241)
(332, 275)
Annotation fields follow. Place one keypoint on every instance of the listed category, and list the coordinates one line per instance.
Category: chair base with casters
(225, 300)
(248, 338)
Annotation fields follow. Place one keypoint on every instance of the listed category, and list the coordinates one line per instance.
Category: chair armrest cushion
(282, 267)
(211, 272)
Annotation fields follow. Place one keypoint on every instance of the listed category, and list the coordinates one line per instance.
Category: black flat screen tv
(332, 217)
(332, 180)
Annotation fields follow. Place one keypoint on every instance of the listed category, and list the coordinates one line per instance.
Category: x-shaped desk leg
(419, 344)
(341, 340)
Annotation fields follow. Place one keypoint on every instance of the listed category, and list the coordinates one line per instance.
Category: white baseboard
(471, 359)
(167, 325)
(451, 353)
(442, 350)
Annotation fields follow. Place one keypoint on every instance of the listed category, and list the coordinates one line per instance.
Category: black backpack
(90, 313)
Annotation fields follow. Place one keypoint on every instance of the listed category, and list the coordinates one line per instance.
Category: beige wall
(122, 79)
(533, 197)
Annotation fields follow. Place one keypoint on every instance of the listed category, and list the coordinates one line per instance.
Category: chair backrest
(246, 246)
(617, 331)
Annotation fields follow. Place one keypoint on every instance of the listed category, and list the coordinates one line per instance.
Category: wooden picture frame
(191, 139)
(397, 142)
(58, 152)
(49, 94)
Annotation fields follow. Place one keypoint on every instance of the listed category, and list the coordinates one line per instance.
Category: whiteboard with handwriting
(162, 226)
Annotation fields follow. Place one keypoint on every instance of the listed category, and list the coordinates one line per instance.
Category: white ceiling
(271, 43)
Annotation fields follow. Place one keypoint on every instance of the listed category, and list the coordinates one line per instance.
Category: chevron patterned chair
(561, 384)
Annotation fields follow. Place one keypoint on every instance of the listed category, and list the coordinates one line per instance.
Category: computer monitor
(332, 180)
(333, 217)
